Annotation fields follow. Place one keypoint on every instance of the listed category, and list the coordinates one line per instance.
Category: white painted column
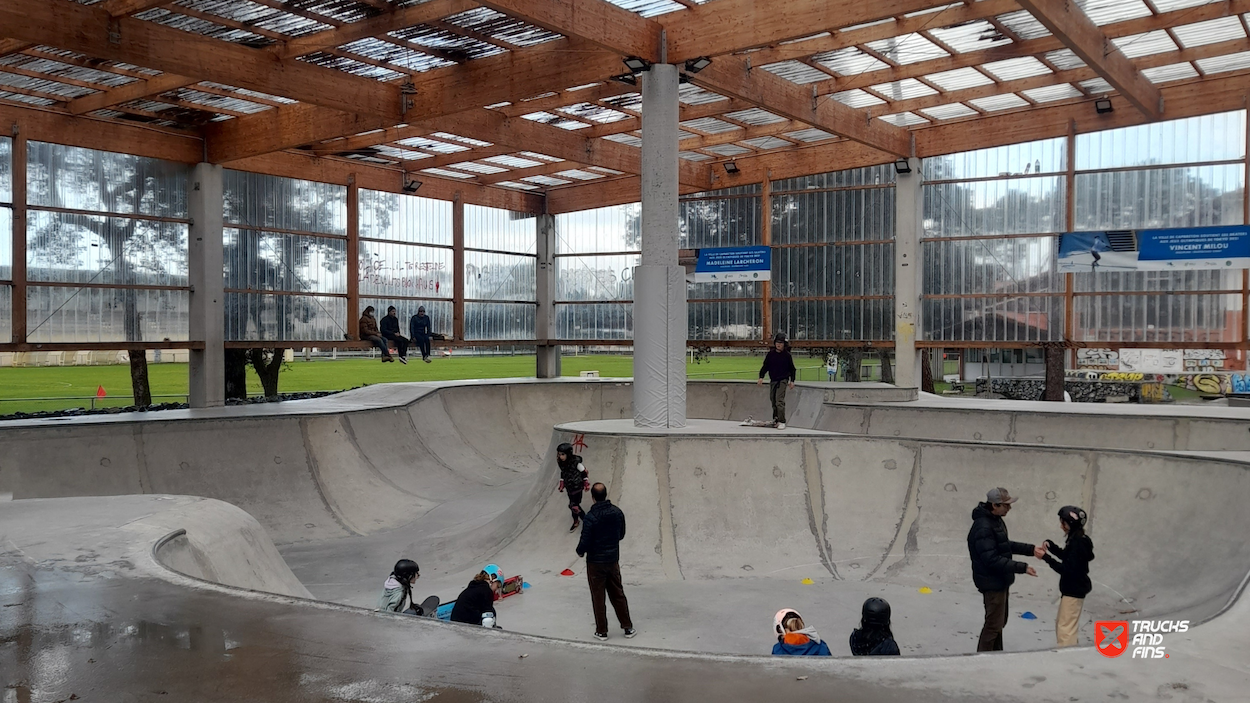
(660, 324)
(207, 370)
(545, 316)
(908, 272)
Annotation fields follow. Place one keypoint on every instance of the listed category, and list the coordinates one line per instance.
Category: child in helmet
(398, 588)
(476, 603)
(874, 638)
(573, 480)
(1073, 572)
(794, 638)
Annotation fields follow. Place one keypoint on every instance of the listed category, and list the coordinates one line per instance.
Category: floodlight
(731, 167)
(902, 166)
(696, 65)
(636, 65)
(1103, 106)
(411, 184)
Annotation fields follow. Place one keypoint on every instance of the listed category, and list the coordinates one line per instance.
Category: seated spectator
(874, 638)
(369, 333)
(398, 587)
(390, 331)
(794, 638)
(475, 601)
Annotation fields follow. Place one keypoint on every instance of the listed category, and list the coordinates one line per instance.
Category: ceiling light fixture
(731, 167)
(696, 65)
(902, 166)
(1103, 106)
(411, 184)
(636, 65)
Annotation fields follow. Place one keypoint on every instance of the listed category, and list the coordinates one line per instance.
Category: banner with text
(733, 264)
(1219, 247)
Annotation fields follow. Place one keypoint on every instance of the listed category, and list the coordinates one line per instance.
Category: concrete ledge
(866, 393)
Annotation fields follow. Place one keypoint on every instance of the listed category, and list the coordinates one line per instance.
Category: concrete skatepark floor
(725, 521)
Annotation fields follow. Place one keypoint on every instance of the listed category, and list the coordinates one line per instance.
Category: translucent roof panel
(594, 113)
(1024, 25)
(767, 143)
(1012, 69)
(1107, 11)
(500, 26)
(909, 48)
(446, 173)
(1065, 59)
(1230, 62)
(728, 150)
(513, 162)
(1000, 102)
(710, 125)
(628, 139)
(521, 186)
(1051, 93)
(857, 98)
(694, 95)
(959, 79)
(904, 119)
(973, 36)
(1147, 44)
(579, 175)
(693, 156)
(1170, 5)
(903, 90)
(1171, 72)
(950, 111)
(545, 180)
(649, 8)
(1097, 85)
(1210, 32)
(796, 72)
(478, 168)
(810, 135)
(849, 61)
(755, 116)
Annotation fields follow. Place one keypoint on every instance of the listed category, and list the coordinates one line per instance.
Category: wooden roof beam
(1074, 28)
(131, 91)
(519, 173)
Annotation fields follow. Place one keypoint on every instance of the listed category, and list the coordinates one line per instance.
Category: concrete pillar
(207, 370)
(660, 324)
(908, 272)
(545, 315)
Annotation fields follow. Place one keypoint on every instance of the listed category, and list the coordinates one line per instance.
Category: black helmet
(876, 612)
(1073, 516)
(779, 337)
(566, 449)
(406, 569)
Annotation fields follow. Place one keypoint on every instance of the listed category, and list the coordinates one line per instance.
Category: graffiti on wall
(418, 276)
(1098, 359)
(1216, 383)
(1199, 360)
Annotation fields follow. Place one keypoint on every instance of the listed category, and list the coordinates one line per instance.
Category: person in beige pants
(1074, 582)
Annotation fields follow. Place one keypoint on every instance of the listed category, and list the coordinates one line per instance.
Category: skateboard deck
(428, 607)
(752, 422)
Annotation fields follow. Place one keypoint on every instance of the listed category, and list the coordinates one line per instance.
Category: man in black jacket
(993, 569)
(779, 366)
(603, 528)
(390, 330)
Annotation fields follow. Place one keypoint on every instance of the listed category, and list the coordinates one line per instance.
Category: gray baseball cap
(999, 495)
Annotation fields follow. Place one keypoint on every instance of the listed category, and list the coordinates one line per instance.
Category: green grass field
(326, 375)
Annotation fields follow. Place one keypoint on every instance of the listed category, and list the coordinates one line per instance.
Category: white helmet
(781, 617)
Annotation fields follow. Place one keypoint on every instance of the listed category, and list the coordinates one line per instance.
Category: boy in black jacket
(1073, 572)
(779, 366)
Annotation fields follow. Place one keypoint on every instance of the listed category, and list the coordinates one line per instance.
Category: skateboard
(427, 608)
(752, 422)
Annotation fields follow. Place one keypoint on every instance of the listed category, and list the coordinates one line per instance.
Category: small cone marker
(807, 582)
(566, 572)
(926, 589)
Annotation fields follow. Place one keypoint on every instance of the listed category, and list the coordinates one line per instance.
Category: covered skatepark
(555, 175)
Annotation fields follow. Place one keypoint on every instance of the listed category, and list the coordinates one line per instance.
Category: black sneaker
(574, 527)
(403, 360)
(629, 634)
(601, 636)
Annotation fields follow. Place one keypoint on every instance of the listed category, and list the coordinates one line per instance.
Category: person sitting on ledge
(794, 638)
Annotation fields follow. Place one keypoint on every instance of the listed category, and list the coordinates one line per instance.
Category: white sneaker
(781, 425)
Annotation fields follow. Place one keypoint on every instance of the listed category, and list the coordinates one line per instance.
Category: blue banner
(1219, 247)
(733, 264)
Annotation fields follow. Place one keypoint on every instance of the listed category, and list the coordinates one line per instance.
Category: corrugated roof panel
(767, 143)
(1171, 72)
(649, 8)
(1006, 101)
(949, 111)
(933, 10)
(27, 99)
(457, 138)
(537, 156)
(513, 162)
(411, 58)
(341, 10)
(1102, 12)
(693, 156)
(203, 27)
(579, 175)
(755, 116)
(710, 125)
(594, 113)
(907, 49)
(694, 95)
(857, 98)
(810, 135)
(1024, 25)
(431, 145)
(628, 139)
(1147, 44)
(1170, 5)
(1012, 69)
(1065, 59)
(256, 15)
(1210, 32)
(478, 168)
(1229, 62)
(461, 175)
(849, 61)
(1097, 85)
(44, 86)
(400, 154)
(959, 79)
(520, 186)
(608, 171)
(245, 93)
(64, 70)
(973, 36)
(502, 27)
(903, 90)
(546, 180)
(904, 119)
(1051, 93)
(351, 66)
(728, 150)
(630, 101)
(796, 72)
(211, 101)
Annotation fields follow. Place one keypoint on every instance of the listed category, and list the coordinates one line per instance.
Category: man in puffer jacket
(993, 569)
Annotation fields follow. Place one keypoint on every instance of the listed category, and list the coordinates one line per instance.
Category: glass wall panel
(581, 278)
(405, 270)
(6, 170)
(724, 291)
(992, 266)
(500, 230)
(1044, 156)
(256, 200)
(499, 321)
(835, 319)
(491, 276)
(849, 178)
(100, 181)
(1157, 198)
(854, 270)
(594, 321)
(82, 248)
(68, 314)
(863, 214)
(405, 218)
(723, 222)
(725, 320)
(1142, 281)
(6, 314)
(274, 317)
(1011, 206)
(1220, 137)
(440, 312)
(606, 229)
(6, 243)
(1020, 319)
(280, 261)
(1158, 318)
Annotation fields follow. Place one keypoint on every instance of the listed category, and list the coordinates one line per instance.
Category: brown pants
(605, 579)
(777, 395)
(1068, 622)
(995, 620)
